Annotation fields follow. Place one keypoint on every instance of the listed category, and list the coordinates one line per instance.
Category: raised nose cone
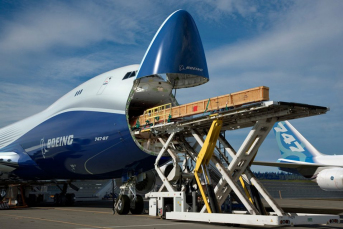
(176, 53)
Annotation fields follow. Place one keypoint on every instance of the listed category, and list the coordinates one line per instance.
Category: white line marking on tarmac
(51, 220)
(149, 225)
(75, 210)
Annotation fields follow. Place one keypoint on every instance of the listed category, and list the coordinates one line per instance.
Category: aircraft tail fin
(292, 144)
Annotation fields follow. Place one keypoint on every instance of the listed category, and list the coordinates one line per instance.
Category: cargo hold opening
(146, 93)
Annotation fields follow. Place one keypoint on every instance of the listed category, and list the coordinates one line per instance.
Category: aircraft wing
(290, 165)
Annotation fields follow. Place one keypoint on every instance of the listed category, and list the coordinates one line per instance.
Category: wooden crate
(224, 101)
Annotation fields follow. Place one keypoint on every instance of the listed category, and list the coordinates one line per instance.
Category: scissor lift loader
(174, 202)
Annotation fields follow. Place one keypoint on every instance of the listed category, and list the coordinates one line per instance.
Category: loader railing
(159, 114)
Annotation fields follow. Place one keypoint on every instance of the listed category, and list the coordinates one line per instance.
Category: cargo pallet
(165, 113)
(261, 116)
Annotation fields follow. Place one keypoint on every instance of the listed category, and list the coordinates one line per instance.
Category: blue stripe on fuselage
(84, 157)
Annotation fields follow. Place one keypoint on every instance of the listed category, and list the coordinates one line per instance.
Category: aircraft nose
(177, 51)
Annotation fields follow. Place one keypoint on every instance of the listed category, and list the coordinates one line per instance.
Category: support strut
(202, 162)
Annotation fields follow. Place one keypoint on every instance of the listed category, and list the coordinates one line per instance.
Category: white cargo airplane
(299, 156)
(87, 134)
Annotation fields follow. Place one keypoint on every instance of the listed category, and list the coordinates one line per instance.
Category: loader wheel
(123, 205)
(139, 205)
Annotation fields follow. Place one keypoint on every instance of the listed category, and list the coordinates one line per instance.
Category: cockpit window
(129, 75)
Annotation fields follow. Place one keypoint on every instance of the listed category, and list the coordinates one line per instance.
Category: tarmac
(98, 214)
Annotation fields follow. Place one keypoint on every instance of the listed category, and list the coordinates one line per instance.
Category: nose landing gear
(139, 205)
(123, 205)
(128, 199)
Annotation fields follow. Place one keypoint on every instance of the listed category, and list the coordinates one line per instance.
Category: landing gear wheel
(60, 199)
(56, 199)
(70, 199)
(139, 205)
(123, 205)
(32, 200)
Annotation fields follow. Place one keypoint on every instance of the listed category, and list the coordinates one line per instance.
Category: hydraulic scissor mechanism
(211, 181)
(200, 177)
(205, 173)
(197, 183)
(238, 167)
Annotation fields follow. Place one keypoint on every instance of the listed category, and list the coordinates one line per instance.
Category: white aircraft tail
(292, 144)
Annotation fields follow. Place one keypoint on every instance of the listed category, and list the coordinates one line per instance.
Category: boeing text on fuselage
(56, 142)
(60, 141)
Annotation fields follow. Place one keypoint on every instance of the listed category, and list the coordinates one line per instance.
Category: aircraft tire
(139, 205)
(31, 200)
(60, 199)
(56, 199)
(123, 205)
(70, 199)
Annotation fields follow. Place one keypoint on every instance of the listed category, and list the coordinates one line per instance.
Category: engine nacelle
(331, 179)
(146, 181)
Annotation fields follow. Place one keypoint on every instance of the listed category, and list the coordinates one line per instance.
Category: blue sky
(294, 47)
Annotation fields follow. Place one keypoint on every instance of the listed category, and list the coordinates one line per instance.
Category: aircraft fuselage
(83, 135)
